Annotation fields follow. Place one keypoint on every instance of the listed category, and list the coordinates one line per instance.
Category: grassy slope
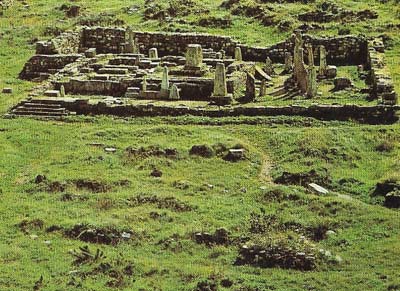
(368, 236)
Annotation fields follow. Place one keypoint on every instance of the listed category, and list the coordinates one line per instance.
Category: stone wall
(42, 66)
(367, 114)
(343, 50)
(379, 78)
(176, 44)
(104, 39)
(196, 89)
(66, 43)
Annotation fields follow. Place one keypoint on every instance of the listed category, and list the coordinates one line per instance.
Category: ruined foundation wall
(41, 66)
(379, 78)
(199, 90)
(344, 50)
(66, 43)
(104, 39)
(176, 44)
(366, 114)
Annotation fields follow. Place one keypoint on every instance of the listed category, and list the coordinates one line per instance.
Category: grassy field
(87, 183)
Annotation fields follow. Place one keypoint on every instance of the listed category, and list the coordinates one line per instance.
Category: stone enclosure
(104, 70)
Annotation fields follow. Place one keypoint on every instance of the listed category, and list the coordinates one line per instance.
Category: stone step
(42, 105)
(40, 109)
(45, 101)
(113, 71)
(39, 113)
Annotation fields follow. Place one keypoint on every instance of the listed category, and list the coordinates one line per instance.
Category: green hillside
(102, 203)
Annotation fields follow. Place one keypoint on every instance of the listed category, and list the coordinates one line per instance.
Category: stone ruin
(93, 70)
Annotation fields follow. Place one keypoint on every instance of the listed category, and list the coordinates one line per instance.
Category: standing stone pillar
(312, 74)
(153, 53)
(174, 93)
(322, 61)
(164, 92)
(220, 94)
(263, 88)
(250, 88)
(238, 54)
(130, 45)
(62, 91)
(269, 67)
(144, 83)
(288, 63)
(194, 57)
(300, 72)
(298, 55)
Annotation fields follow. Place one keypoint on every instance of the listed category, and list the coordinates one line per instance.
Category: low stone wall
(195, 89)
(343, 50)
(42, 66)
(104, 39)
(66, 43)
(176, 44)
(369, 114)
(93, 87)
(379, 77)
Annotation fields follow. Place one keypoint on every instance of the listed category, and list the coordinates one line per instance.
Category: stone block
(52, 93)
(7, 91)
(331, 72)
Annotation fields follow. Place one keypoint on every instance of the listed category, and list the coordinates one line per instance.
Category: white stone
(318, 189)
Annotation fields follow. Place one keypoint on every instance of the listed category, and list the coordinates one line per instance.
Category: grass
(63, 151)
(161, 255)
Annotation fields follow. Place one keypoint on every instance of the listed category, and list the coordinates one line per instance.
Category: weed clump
(287, 250)
(319, 177)
(220, 237)
(204, 151)
(161, 202)
(90, 264)
(99, 235)
(26, 226)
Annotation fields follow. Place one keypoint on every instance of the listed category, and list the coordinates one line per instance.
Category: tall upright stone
(62, 91)
(250, 88)
(164, 92)
(238, 54)
(322, 61)
(144, 83)
(263, 88)
(130, 44)
(269, 67)
(174, 93)
(288, 63)
(194, 57)
(298, 57)
(153, 53)
(312, 74)
(220, 94)
(300, 72)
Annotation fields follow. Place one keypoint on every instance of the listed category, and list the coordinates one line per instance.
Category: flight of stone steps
(43, 108)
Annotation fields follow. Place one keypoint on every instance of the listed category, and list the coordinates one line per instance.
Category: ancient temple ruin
(104, 70)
